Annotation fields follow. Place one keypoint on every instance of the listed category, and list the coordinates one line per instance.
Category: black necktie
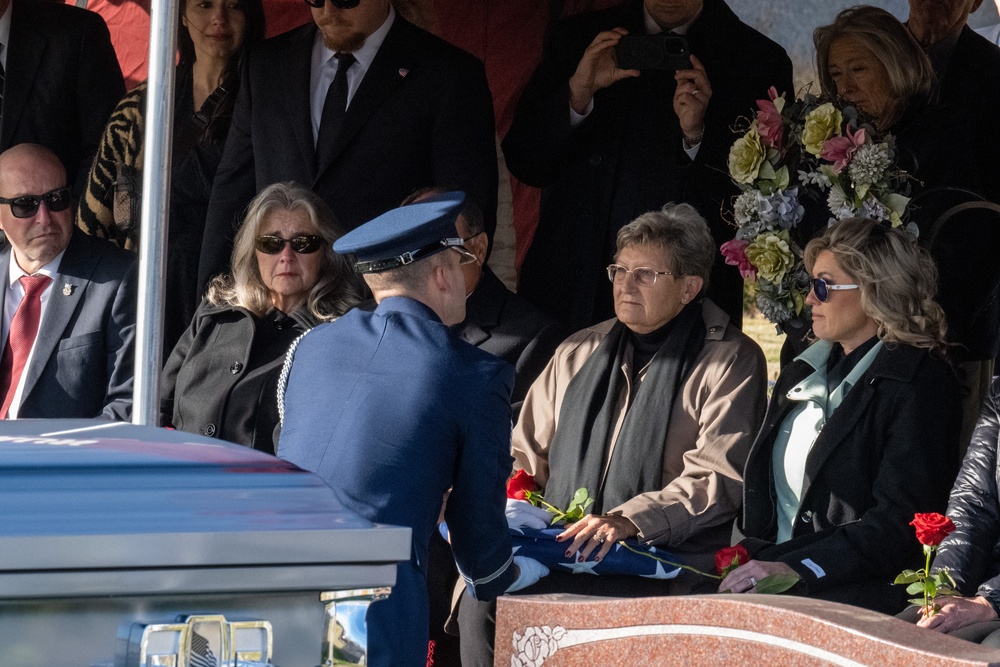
(334, 110)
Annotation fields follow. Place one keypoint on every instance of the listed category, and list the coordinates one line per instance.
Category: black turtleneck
(646, 345)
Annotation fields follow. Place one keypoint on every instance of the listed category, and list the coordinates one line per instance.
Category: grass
(762, 331)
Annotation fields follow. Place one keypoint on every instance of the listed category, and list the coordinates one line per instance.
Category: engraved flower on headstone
(535, 645)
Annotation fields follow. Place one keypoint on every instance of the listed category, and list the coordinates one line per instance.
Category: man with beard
(361, 106)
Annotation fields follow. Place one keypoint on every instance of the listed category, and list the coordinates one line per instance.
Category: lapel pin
(68, 289)
(403, 72)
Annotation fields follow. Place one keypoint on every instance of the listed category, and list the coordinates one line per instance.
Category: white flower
(839, 204)
(869, 164)
(817, 178)
(745, 207)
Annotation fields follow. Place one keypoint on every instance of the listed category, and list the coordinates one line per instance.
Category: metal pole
(155, 210)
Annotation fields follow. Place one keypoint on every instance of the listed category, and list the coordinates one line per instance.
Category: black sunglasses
(26, 206)
(822, 288)
(304, 245)
(339, 4)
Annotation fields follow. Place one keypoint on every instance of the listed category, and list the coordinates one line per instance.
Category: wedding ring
(753, 582)
(600, 540)
(695, 92)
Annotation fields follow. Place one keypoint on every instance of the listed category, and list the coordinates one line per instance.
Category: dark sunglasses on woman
(822, 289)
(26, 206)
(272, 245)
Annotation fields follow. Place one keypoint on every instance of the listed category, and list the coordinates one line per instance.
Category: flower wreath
(813, 148)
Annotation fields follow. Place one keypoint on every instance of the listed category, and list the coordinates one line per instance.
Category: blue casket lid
(88, 496)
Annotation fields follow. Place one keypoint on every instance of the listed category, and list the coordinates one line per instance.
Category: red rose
(519, 483)
(932, 528)
(730, 558)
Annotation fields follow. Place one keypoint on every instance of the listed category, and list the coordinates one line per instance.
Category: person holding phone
(609, 144)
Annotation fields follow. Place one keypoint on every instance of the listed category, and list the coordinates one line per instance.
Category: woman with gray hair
(863, 428)
(221, 379)
(652, 411)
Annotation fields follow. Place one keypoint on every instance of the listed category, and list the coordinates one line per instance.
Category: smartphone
(663, 51)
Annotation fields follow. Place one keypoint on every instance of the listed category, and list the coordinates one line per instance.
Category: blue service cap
(405, 234)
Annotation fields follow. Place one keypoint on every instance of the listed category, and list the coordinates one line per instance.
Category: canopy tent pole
(157, 144)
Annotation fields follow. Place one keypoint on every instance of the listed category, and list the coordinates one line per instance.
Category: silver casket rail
(134, 546)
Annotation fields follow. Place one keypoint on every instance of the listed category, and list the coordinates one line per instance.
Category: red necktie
(23, 329)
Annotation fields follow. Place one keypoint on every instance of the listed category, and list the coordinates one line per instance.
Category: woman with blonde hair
(863, 427)
(868, 58)
(221, 379)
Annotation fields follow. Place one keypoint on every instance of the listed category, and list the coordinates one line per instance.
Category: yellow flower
(771, 253)
(822, 123)
(746, 156)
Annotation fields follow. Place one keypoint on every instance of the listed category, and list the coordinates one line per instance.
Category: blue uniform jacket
(391, 409)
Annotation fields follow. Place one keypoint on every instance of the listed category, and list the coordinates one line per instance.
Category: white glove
(522, 514)
(531, 572)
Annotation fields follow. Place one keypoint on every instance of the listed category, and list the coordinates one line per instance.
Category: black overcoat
(626, 158)
(890, 450)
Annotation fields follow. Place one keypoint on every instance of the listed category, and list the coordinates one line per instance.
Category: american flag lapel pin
(403, 72)
(68, 289)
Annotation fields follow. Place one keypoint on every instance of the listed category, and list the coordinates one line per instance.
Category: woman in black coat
(863, 428)
(221, 379)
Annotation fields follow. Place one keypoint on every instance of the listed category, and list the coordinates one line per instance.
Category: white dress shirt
(324, 68)
(12, 299)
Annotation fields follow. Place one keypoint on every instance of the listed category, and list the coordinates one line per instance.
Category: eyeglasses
(822, 289)
(464, 256)
(26, 206)
(272, 245)
(643, 276)
(339, 4)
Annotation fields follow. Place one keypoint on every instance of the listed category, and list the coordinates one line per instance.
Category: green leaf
(781, 178)
(766, 172)
(945, 590)
(896, 202)
(917, 601)
(914, 588)
(931, 588)
(773, 584)
(906, 577)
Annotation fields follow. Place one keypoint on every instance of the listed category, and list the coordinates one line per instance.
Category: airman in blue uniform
(392, 409)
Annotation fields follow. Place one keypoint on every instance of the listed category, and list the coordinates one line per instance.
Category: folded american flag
(542, 546)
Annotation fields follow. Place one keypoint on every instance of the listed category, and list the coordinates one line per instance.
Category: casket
(130, 546)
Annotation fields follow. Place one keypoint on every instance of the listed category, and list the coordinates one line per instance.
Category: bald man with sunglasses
(67, 300)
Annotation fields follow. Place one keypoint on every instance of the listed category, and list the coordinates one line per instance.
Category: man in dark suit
(61, 81)
(967, 96)
(391, 409)
(73, 356)
(418, 111)
(609, 144)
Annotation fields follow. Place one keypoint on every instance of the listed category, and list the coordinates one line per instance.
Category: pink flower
(769, 122)
(840, 150)
(735, 253)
